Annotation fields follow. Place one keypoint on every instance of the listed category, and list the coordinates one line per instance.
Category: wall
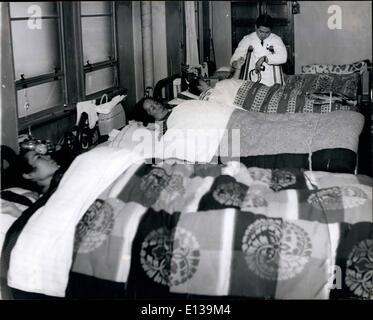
(174, 36)
(53, 130)
(316, 43)
(222, 32)
(9, 130)
(159, 40)
(137, 49)
(126, 51)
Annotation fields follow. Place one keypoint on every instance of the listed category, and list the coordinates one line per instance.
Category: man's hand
(238, 63)
(259, 63)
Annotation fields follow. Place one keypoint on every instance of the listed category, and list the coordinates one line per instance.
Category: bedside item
(111, 114)
(89, 107)
(87, 137)
(40, 146)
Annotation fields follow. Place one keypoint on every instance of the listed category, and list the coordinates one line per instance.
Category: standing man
(268, 53)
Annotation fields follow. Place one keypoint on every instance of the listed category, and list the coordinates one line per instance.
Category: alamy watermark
(335, 20)
(191, 145)
(35, 20)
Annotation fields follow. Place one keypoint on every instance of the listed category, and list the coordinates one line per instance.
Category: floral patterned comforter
(228, 230)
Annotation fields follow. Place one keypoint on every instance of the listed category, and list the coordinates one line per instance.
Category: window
(63, 52)
(98, 46)
(38, 58)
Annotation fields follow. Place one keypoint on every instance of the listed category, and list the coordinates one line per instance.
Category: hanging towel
(90, 108)
(106, 108)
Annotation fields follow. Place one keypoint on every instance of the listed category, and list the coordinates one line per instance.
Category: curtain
(147, 43)
(191, 34)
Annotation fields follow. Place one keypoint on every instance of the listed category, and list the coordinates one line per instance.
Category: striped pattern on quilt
(317, 93)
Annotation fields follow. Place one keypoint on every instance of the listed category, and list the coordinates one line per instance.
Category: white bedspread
(41, 260)
(195, 129)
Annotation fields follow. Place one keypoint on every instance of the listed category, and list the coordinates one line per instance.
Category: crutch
(244, 71)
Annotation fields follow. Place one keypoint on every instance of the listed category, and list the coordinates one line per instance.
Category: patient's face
(44, 166)
(202, 85)
(154, 109)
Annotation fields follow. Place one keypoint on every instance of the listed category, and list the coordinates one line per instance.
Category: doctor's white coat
(272, 73)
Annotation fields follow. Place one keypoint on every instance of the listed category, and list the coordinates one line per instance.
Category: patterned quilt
(229, 230)
(319, 93)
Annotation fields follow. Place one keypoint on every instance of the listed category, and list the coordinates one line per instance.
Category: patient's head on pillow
(37, 168)
(154, 108)
(197, 86)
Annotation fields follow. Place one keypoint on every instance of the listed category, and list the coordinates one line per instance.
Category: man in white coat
(268, 53)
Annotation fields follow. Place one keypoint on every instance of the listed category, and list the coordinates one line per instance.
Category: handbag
(87, 138)
(115, 119)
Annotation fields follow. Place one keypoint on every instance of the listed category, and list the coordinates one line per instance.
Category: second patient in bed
(156, 110)
(224, 92)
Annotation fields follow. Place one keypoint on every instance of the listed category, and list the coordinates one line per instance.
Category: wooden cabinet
(244, 14)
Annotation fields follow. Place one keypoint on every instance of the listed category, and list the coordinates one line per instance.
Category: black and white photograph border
(186, 158)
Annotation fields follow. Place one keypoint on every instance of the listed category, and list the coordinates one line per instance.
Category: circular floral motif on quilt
(185, 258)
(170, 257)
(229, 194)
(154, 182)
(276, 250)
(338, 198)
(282, 179)
(94, 228)
(359, 271)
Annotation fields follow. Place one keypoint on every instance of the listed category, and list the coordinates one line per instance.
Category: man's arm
(280, 54)
(241, 49)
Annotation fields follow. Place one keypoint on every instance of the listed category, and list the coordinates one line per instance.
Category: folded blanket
(41, 260)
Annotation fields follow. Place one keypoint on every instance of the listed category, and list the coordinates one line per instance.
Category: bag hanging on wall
(110, 117)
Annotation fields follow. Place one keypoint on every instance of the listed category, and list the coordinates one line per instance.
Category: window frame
(72, 70)
(58, 75)
(113, 62)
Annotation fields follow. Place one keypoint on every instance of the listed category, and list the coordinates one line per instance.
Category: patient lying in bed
(223, 92)
(41, 171)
